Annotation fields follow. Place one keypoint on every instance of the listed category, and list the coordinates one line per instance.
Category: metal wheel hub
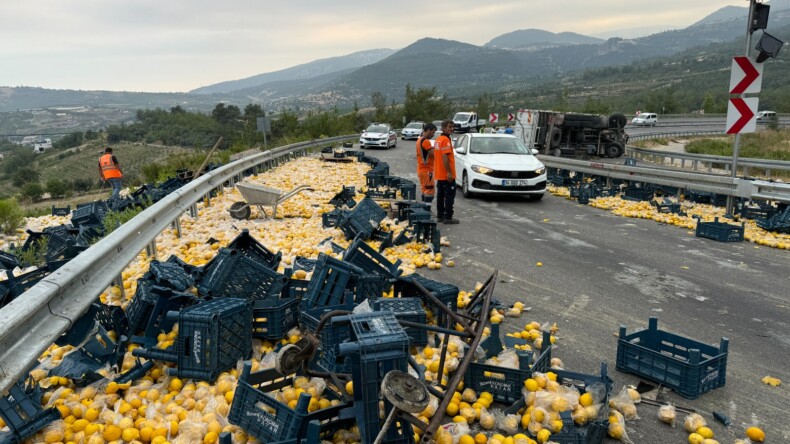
(405, 391)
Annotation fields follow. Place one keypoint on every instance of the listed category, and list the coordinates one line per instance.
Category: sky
(179, 45)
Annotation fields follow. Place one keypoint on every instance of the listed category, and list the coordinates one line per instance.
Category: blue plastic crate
(638, 193)
(503, 383)
(417, 214)
(344, 198)
(212, 337)
(720, 231)
(408, 189)
(8, 261)
(446, 293)
(406, 309)
(330, 337)
(273, 318)
(331, 218)
(22, 412)
(61, 211)
(362, 220)
(169, 274)
(233, 274)
(256, 410)
(428, 232)
(369, 286)
(328, 283)
(19, 284)
(91, 213)
(146, 312)
(295, 288)
(688, 367)
(365, 257)
(245, 244)
(404, 207)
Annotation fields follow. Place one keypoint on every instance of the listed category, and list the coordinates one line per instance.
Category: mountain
(535, 39)
(724, 14)
(316, 68)
(633, 33)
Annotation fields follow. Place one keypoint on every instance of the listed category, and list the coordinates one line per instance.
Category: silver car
(412, 131)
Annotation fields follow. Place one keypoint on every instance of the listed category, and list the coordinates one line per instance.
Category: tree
(91, 135)
(33, 191)
(57, 187)
(69, 141)
(82, 185)
(485, 106)
(285, 125)
(225, 115)
(24, 175)
(379, 102)
(423, 104)
(11, 216)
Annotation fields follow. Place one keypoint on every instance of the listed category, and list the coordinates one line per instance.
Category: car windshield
(414, 126)
(498, 145)
(643, 116)
(461, 117)
(377, 129)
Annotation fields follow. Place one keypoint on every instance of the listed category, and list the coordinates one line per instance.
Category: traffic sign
(742, 115)
(494, 118)
(746, 76)
(511, 117)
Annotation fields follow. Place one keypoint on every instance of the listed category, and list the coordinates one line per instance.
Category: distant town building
(41, 145)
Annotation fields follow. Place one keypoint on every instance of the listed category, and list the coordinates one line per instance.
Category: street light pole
(737, 145)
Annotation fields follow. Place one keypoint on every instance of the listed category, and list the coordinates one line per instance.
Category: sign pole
(737, 145)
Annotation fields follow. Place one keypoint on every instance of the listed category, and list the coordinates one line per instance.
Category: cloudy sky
(179, 45)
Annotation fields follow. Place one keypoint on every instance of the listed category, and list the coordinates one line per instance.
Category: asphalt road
(601, 271)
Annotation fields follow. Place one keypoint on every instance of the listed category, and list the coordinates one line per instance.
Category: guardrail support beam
(176, 225)
(119, 282)
(193, 211)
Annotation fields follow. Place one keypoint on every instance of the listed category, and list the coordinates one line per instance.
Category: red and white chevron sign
(511, 117)
(746, 76)
(493, 118)
(742, 115)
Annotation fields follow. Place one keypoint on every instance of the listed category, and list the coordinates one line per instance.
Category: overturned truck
(572, 134)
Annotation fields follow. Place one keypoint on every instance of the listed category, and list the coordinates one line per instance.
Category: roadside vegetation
(771, 144)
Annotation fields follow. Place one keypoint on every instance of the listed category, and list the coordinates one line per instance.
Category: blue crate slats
(255, 409)
(22, 412)
(405, 287)
(406, 309)
(169, 274)
(328, 284)
(365, 257)
(273, 318)
(233, 274)
(362, 220)
(687, 366)
(245, 244)
(89, 214)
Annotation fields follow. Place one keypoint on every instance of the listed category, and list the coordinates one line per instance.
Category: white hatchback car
(498, 164)
(411, 131)
(645, 119)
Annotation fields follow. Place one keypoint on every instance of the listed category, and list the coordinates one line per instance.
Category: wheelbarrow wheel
(405, 391)
(240, 211)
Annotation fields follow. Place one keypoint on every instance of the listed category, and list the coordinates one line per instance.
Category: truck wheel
(556, 137)
(617, 120)
(614, 150)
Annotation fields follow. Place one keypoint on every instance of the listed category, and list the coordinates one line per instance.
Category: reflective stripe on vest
(109, 170)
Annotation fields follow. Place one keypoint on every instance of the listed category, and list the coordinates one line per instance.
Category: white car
(498, 164)
(412, 131)
(766, 116)
(378, 135)
(645, 119)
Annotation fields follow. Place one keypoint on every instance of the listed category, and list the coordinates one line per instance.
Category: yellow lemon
(586, 400)
(705, 432)
(531, 385)
(543, 436)
(755, 434)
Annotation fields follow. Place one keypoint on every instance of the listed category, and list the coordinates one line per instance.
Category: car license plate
(514, 183)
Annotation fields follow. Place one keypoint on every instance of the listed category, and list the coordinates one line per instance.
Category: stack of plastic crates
(362, 220)
(504, 383)
(329, 282)
(406, 309)
(22, 413)
(256, 409)
(377, 346)
(245, 244)
(446, 293)
(428, 232)
(212, 337)
(687, 366)
(408, 189)
(236, 275)
(371, 261)
(595, 430)
(369, 286)
(331, 336)
(89, 214)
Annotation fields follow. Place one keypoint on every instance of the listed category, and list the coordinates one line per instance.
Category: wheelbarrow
(261, 196)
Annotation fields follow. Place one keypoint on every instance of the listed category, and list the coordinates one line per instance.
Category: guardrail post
(176, 225)
(150, 249)
(193, 211)
(119, 282)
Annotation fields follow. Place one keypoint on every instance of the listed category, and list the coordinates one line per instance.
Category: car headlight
(540, 171)
(481, 169)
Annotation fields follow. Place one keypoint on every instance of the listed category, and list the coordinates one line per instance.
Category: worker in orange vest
(110, 170)
(425, 162)
(444, 172)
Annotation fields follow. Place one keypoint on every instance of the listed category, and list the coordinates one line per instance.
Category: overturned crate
(688, 367)
(234, 274)
(212, 338)
(257, 410)
(720, 231)
(22, 412)
(365, 257)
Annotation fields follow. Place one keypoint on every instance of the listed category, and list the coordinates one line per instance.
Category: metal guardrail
(34, 320)
(719, 184)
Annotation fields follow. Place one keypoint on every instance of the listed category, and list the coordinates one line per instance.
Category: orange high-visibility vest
(109, 170)
(424, 155)
(443, 147)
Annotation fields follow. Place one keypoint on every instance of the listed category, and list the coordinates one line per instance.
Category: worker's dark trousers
(445, 198)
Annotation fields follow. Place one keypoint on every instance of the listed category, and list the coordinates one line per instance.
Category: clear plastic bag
(623, 403)
(667, 414)
(617, 427)
(693, 422)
